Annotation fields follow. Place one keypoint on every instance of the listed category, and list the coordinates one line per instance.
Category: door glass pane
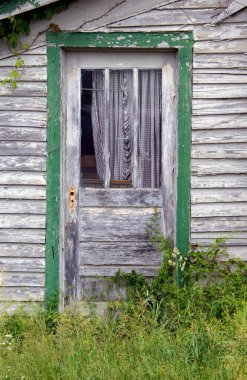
(92, 128)
(149, 128)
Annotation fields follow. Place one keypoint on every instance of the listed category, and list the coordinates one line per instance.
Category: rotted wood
(22, 178)
(28, 74)
(219, 181)
(219, 136)
(22, 279)
(15, 264)
(119, 253)
(220, 166)
(33, 103)
(26, 235)
(22, 134)
(23, 163)
(218, 106)
(219, 224)
(121, 224)
(22, 207)
(110, 271)
(25, 89)
(22, 148)
(230, 150)
(22, 250)
(219, 209)
(22, 221)
(237, 121)
(218, 195)
(23, 118)
(120, 197)
(34, 293)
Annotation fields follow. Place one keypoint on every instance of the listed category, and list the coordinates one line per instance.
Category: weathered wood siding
(219, 131)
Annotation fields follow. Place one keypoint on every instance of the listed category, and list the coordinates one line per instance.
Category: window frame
(182, 43)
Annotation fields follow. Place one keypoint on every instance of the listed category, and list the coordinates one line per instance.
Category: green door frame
(182, 43)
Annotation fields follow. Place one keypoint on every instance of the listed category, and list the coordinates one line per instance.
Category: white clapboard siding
(219, 224)
(23, 163)
(32, 103)
(11, 294)
(24, 235)
(14, 206)
(22, 250)
(24, 89)
(22, 192)
(213, 91)
(230, 150)
(22, 178)
(219, 166)
(218, 181)
(208, 210)
(35, 60)
(22, 148)
(218, 106)
(16, 264)
(109, 271)
(8, 279)
(229, 46)
(22, 221)
(219, 61)
(27, 74)
(23, 118)
(220, 121)
(202, 78)
(22, 134)
(218, 195)
(218, 136)
(220, 32)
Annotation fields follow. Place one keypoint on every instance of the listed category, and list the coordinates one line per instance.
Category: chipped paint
(163, 44)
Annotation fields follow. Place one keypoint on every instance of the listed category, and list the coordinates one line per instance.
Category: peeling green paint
(11, 6)
(182, 42)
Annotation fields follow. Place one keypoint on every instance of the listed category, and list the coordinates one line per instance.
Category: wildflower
(183, 266)
(176, 251)
(174, 255)
(173, 263)
(170, 262)
(8, 336)
(180, 259)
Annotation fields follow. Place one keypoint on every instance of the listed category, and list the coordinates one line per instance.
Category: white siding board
(14, 264)
(10, 103)
(219, 61)
(218, 106)
(8, 279)
(223, 91)
(24, 89)
(22, 178)
(230, 150)
(22, 134)
(22, 250)
(23, 163)
(220, 166)
(208, 210)
(219, 224)
(219, 181)
(26, 235)
(213, 196)
(237, 121)
(229, 46)
(208, 77)
(21, 221)
(35, 60)
(219, 136)
(22, 192)
(22, 148)
(22, 294)
(14, 206)
(28, 74)
(23, 118)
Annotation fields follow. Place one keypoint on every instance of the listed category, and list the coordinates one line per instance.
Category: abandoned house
(119, 108)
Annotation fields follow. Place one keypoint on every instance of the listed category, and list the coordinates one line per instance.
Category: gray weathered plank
(223, 46)
(102, 224)
(219, 121)
(42, 49)
(22, 207)
(33, 103)
(29, 307)
(119, 253)
(120, 197)
(219, 181)
(22, 192)
(22, 221)
(35, 60)
(219, 136)
(22, 148)
(203, 61)
(22, 279)
(29, 74)
(110, 271)
(219, 224)
(22, 250)
(23, 118)
(219, 209)
(101, 289)
(22, 294)
(230, 242)
(218, 106)
(22, 134)
(218, 166)
(218, 91)
(27, 235)
(221, 32)
(230, 150)
(238, 236)
(219, 78)
(23, 163)
(15, 264)
(24, 89)
(22, 178)
(187, 4)
(218, 195)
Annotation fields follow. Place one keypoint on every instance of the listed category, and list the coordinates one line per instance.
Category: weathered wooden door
(119, 164)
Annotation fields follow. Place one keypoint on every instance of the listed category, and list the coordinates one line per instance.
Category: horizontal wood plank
(220, 166)
(205, 61)
(16, 264)
(21, 221)
(8, 279)
(219, 209)
(23, 163)
(101, 289)
(14, 206)
(22, 250)
(24, 89)
(236, 236)
(22, 148)
(28, 74)
(32, 103)
(237, 121)
(110, 271)
(218, 195)
(119, 253)
(23, 118)
(120, 197)
(22, 134)
(27, 235)
(35, 60)
(122, 224)
(219, 224)
(22, 178)
(222, 46)
(219, 136)
(218, 91)
(219, 181)
(218, 78)
(218, 106)
(230, 150)
(22, 192)
(27, 294)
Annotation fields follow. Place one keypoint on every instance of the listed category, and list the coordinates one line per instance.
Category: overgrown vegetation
(163, 330)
